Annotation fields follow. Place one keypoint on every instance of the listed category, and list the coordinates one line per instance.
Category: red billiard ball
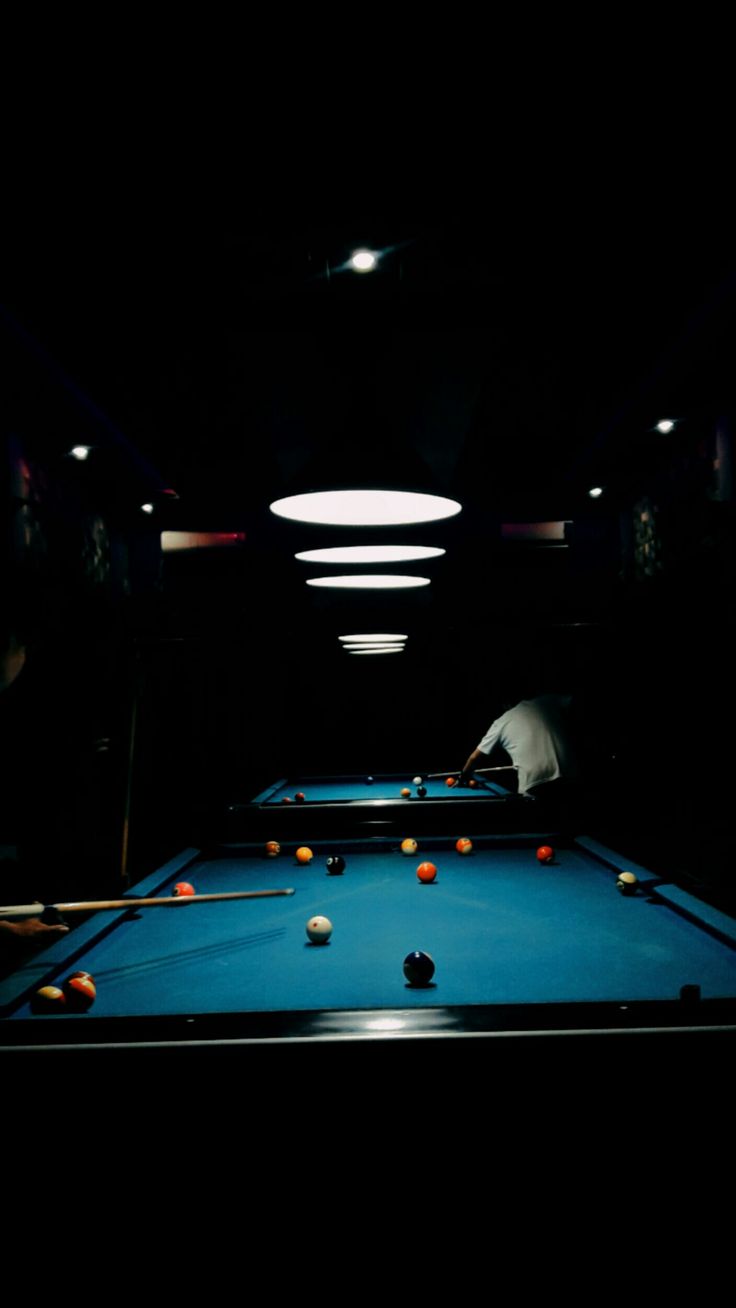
(451, 781)
(464, 846)
(545, 853)
(287, 800)
(426, 872)
(300, 797)
(80, 991)
(182, 889)
(273, 849)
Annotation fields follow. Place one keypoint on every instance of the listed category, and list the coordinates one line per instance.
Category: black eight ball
(335, 865)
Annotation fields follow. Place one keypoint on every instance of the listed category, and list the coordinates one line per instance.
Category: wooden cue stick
(96, 905)
(507, 767)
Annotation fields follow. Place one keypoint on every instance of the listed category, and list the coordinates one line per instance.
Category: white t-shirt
(535, 735)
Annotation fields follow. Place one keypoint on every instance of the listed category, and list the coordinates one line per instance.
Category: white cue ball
(319, 930)
(417, 781)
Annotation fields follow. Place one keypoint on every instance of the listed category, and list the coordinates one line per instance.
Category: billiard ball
(418, 781)
(473, 783)
(405, 792)
(451, 781)
(421, 791)
(418, 968)
(335, 865)
(300, 797)
(183, 888)
(464, 846)
(49, 999)
(319, 930)
(80, 991)
(304, 854)
(627, 883)
(273, 849)
(369, 781)
(287, 800)
(426, 872)
(545, 853)
(409, 846)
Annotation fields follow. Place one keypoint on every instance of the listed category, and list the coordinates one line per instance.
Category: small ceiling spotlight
(146, 508)
(595, 492)
(363, 261)
(666, 425)
(80, 452)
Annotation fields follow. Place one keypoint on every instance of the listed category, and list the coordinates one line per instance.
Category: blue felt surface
(321, 790)
(501, 927)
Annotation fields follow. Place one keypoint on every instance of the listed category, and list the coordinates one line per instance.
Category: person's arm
(30, 931)
(469, 768)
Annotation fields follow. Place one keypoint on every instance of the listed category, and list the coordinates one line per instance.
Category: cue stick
(96, 905)
(507, 767)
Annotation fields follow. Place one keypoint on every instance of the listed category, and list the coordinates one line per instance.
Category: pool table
(345, 805)
(531, 959)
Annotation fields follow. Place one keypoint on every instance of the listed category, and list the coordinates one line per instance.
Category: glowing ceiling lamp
(365, 508)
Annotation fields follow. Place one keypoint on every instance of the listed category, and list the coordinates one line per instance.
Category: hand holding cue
(98, 905)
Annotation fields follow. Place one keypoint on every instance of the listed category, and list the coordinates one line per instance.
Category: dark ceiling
(509, 370)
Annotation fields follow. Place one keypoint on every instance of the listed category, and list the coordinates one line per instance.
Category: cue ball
(319, 930)
(464, 846)
(545, 853)
(627, 883)
(421, 791)
(369, 781)
(183, 888)
(426, 872)
(335, 865)
(418, 968)
(273, 849)
(304, 855)
(418, 781)
(409, 846)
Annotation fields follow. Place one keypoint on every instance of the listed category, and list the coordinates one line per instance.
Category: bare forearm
(472, 763)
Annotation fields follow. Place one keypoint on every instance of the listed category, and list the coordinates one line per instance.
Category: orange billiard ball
(183, 888)
(405, 793)
(451, 781)
(545, 853)
(426, 872)
(464, 846)
(304, 854)
(273, 849)
(473, 782)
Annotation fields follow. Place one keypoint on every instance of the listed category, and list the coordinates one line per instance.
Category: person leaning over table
(537, 736)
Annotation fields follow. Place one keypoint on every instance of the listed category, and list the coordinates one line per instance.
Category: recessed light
(146, 508)
(595, 492)
(358, 653)
(666, 425)
(363, 261)
(370, 554)
(371, 581)
(365, 508)
(374, 644)
(80, 452)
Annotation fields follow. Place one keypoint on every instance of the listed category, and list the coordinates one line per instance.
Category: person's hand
(31, 931)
